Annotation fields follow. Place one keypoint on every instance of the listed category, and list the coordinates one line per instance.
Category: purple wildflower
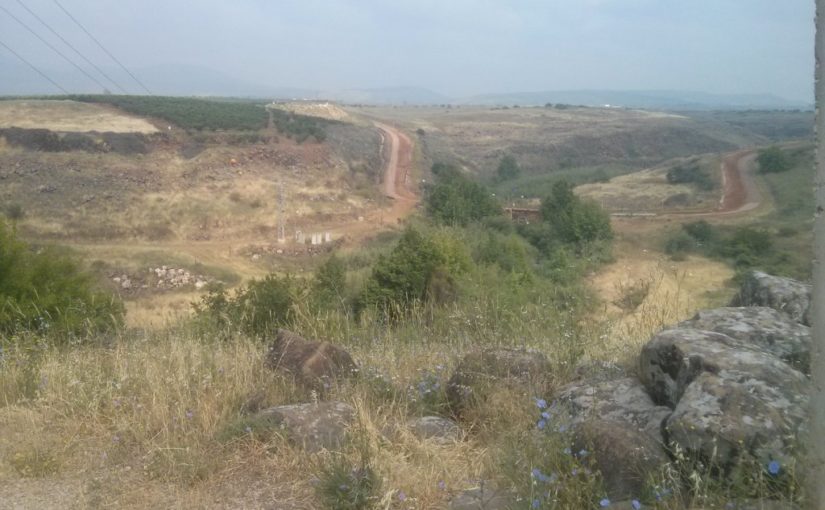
(604, 503)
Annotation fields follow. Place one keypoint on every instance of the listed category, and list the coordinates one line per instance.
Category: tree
(330, 282)
(456, 200)
(573, 220)
(508, 169)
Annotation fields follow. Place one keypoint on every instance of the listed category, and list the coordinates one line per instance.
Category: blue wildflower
(583, 453)
(538, 475)
(545, 415)
(567, 451)
(402, 496)
(536, 503)
(541, 424)
(774, 467)
(562, 428)
(604, 503)
(635, 504)
(442, 485)
(541, 403)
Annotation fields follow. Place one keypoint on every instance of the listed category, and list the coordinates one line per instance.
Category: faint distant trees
(508, 169)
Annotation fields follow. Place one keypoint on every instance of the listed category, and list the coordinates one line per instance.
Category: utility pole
(281, 214)
(816, 444)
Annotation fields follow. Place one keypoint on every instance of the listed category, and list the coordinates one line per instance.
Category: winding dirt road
(739, 190)
(398, 163)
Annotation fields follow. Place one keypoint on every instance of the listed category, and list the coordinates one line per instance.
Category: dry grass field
(69, 116)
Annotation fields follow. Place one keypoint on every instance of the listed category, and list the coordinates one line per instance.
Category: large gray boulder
(312, 426)
(673, 358)
(622, 400)
(761, 328)
(481, 370)
(311, 362)
(729, 398)
(783, 294)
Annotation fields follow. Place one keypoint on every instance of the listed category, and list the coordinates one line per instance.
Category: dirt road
(398, 163)
(739, 190)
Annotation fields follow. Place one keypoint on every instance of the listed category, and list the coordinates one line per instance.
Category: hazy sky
(457, 47)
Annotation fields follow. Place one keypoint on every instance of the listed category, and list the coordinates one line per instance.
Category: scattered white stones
(162, 278)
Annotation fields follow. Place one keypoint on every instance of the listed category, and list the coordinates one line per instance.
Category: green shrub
(508, 169)
(679, 245)
(46, 291)
(701, 231)
(773, 160)
(329, 283)
(456, 200)
(690, 173)
(573, 220)
(418, 269)
(342, 486)
(256, 309)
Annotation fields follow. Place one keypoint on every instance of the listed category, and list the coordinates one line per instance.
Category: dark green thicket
(691, 173)
(773, 160)
(188, 112)
(256, 309)
(456, 200)
(508, 169)
(417, 270)
(46, 291)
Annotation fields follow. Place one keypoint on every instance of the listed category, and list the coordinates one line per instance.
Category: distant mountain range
(185, 80)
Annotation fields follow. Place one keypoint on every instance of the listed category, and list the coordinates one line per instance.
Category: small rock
(313, 426)
(200, 284)
(435, 428)
(126, 284)
(485, 498)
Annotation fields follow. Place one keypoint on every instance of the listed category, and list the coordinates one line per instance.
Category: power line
(99, 70)
(47, 43)
(41, 73)
(101, 47)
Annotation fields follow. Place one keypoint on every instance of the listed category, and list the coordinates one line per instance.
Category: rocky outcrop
(621, 401)
(760, 327)
(482, 369)
(314, 363)
(729, 398)
(314, 427)
(728, 385)
(782, 294)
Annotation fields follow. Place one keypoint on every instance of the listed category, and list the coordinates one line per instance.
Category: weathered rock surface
(436, 429)
(783, 294)
(315, 427)
(728, 398)
(625, 456)
(723, 416)
(622, 400)
(673, 358)
(485, 498)
(494, 366)
(759, 327)
(311, 362)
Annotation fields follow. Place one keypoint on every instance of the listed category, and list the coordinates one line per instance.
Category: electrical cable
(47, 43)
(67, 43)
(41, 73)
(102, 47)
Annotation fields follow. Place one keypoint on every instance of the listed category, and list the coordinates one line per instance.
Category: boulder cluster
(728, 386)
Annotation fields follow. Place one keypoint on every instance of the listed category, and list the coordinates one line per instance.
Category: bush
(342, 486)
(456, 200)
(572, 220)
(701, 231)
(773, 160)
(45, 291)
(418, 269)
(257, 309)
(508, 169)
(329, 284)
(679, 245)
(691, 173)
